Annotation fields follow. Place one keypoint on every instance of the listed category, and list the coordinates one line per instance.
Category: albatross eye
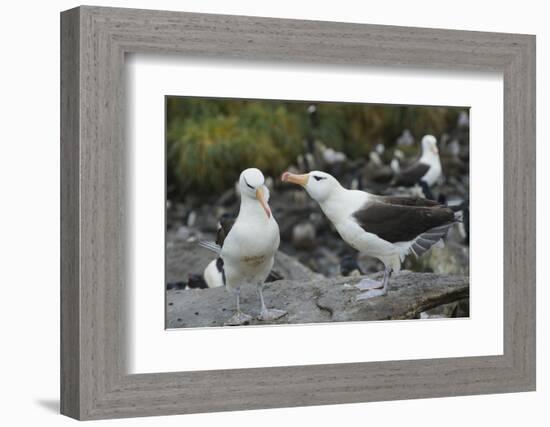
(248, 185)
(319, 178)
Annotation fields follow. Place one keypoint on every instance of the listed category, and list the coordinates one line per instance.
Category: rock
(196, 281)
(459, 308)
(319, 300)
(291, 269)
(288, 217)
(350, 267)
(184, 232)
(303, 235)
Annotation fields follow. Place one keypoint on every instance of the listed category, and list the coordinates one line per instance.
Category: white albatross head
(319, 185)
(251, 185)
(429, 145)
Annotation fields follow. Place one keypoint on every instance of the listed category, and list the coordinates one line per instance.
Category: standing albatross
(247, 251)
(384, 227)
(425, 171)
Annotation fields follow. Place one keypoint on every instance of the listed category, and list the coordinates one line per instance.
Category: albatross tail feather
(426, 240)
(211, 246)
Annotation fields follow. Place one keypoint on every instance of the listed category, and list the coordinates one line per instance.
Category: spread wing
(411, 175)
(401, 223)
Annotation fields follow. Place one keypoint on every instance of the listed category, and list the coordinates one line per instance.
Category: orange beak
(295, 179)
(261, 199)
(435, 150)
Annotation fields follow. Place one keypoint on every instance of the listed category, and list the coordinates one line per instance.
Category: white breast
(249, 249)
(434, 172)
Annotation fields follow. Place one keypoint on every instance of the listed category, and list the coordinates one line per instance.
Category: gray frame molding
(94, 41)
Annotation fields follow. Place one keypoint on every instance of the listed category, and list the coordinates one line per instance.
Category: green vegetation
(209, 141)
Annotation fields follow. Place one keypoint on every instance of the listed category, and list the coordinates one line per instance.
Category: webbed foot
(367, 284)
(271, 314)
(239, 318)
(371, 294)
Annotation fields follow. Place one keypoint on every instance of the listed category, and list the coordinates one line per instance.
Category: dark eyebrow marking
(319, 178)
(246, 182)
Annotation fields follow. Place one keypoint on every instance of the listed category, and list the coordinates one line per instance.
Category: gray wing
(399, 223)
(426, 240)
(412, 175)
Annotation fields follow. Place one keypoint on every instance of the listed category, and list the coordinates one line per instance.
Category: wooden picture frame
(94, 382)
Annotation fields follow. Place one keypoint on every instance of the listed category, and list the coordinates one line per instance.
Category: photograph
(299, 212)
(266, 214)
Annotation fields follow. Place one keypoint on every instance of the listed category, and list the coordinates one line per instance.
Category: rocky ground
(410, 296)
(308, 296)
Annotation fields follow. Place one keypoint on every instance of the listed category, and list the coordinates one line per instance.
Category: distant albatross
(384, 227)
(248, 245)
(425, 171)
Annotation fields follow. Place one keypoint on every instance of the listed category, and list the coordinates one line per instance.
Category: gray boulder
(319, 300)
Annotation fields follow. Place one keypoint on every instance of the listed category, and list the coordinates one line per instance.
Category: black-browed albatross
(246, 252)
(384, 227)
(425, 171)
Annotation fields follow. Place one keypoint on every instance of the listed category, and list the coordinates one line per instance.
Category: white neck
(429, 157)
(342, 202)
(251, 209)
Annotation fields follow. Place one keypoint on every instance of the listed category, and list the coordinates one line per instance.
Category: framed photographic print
(288, 213)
